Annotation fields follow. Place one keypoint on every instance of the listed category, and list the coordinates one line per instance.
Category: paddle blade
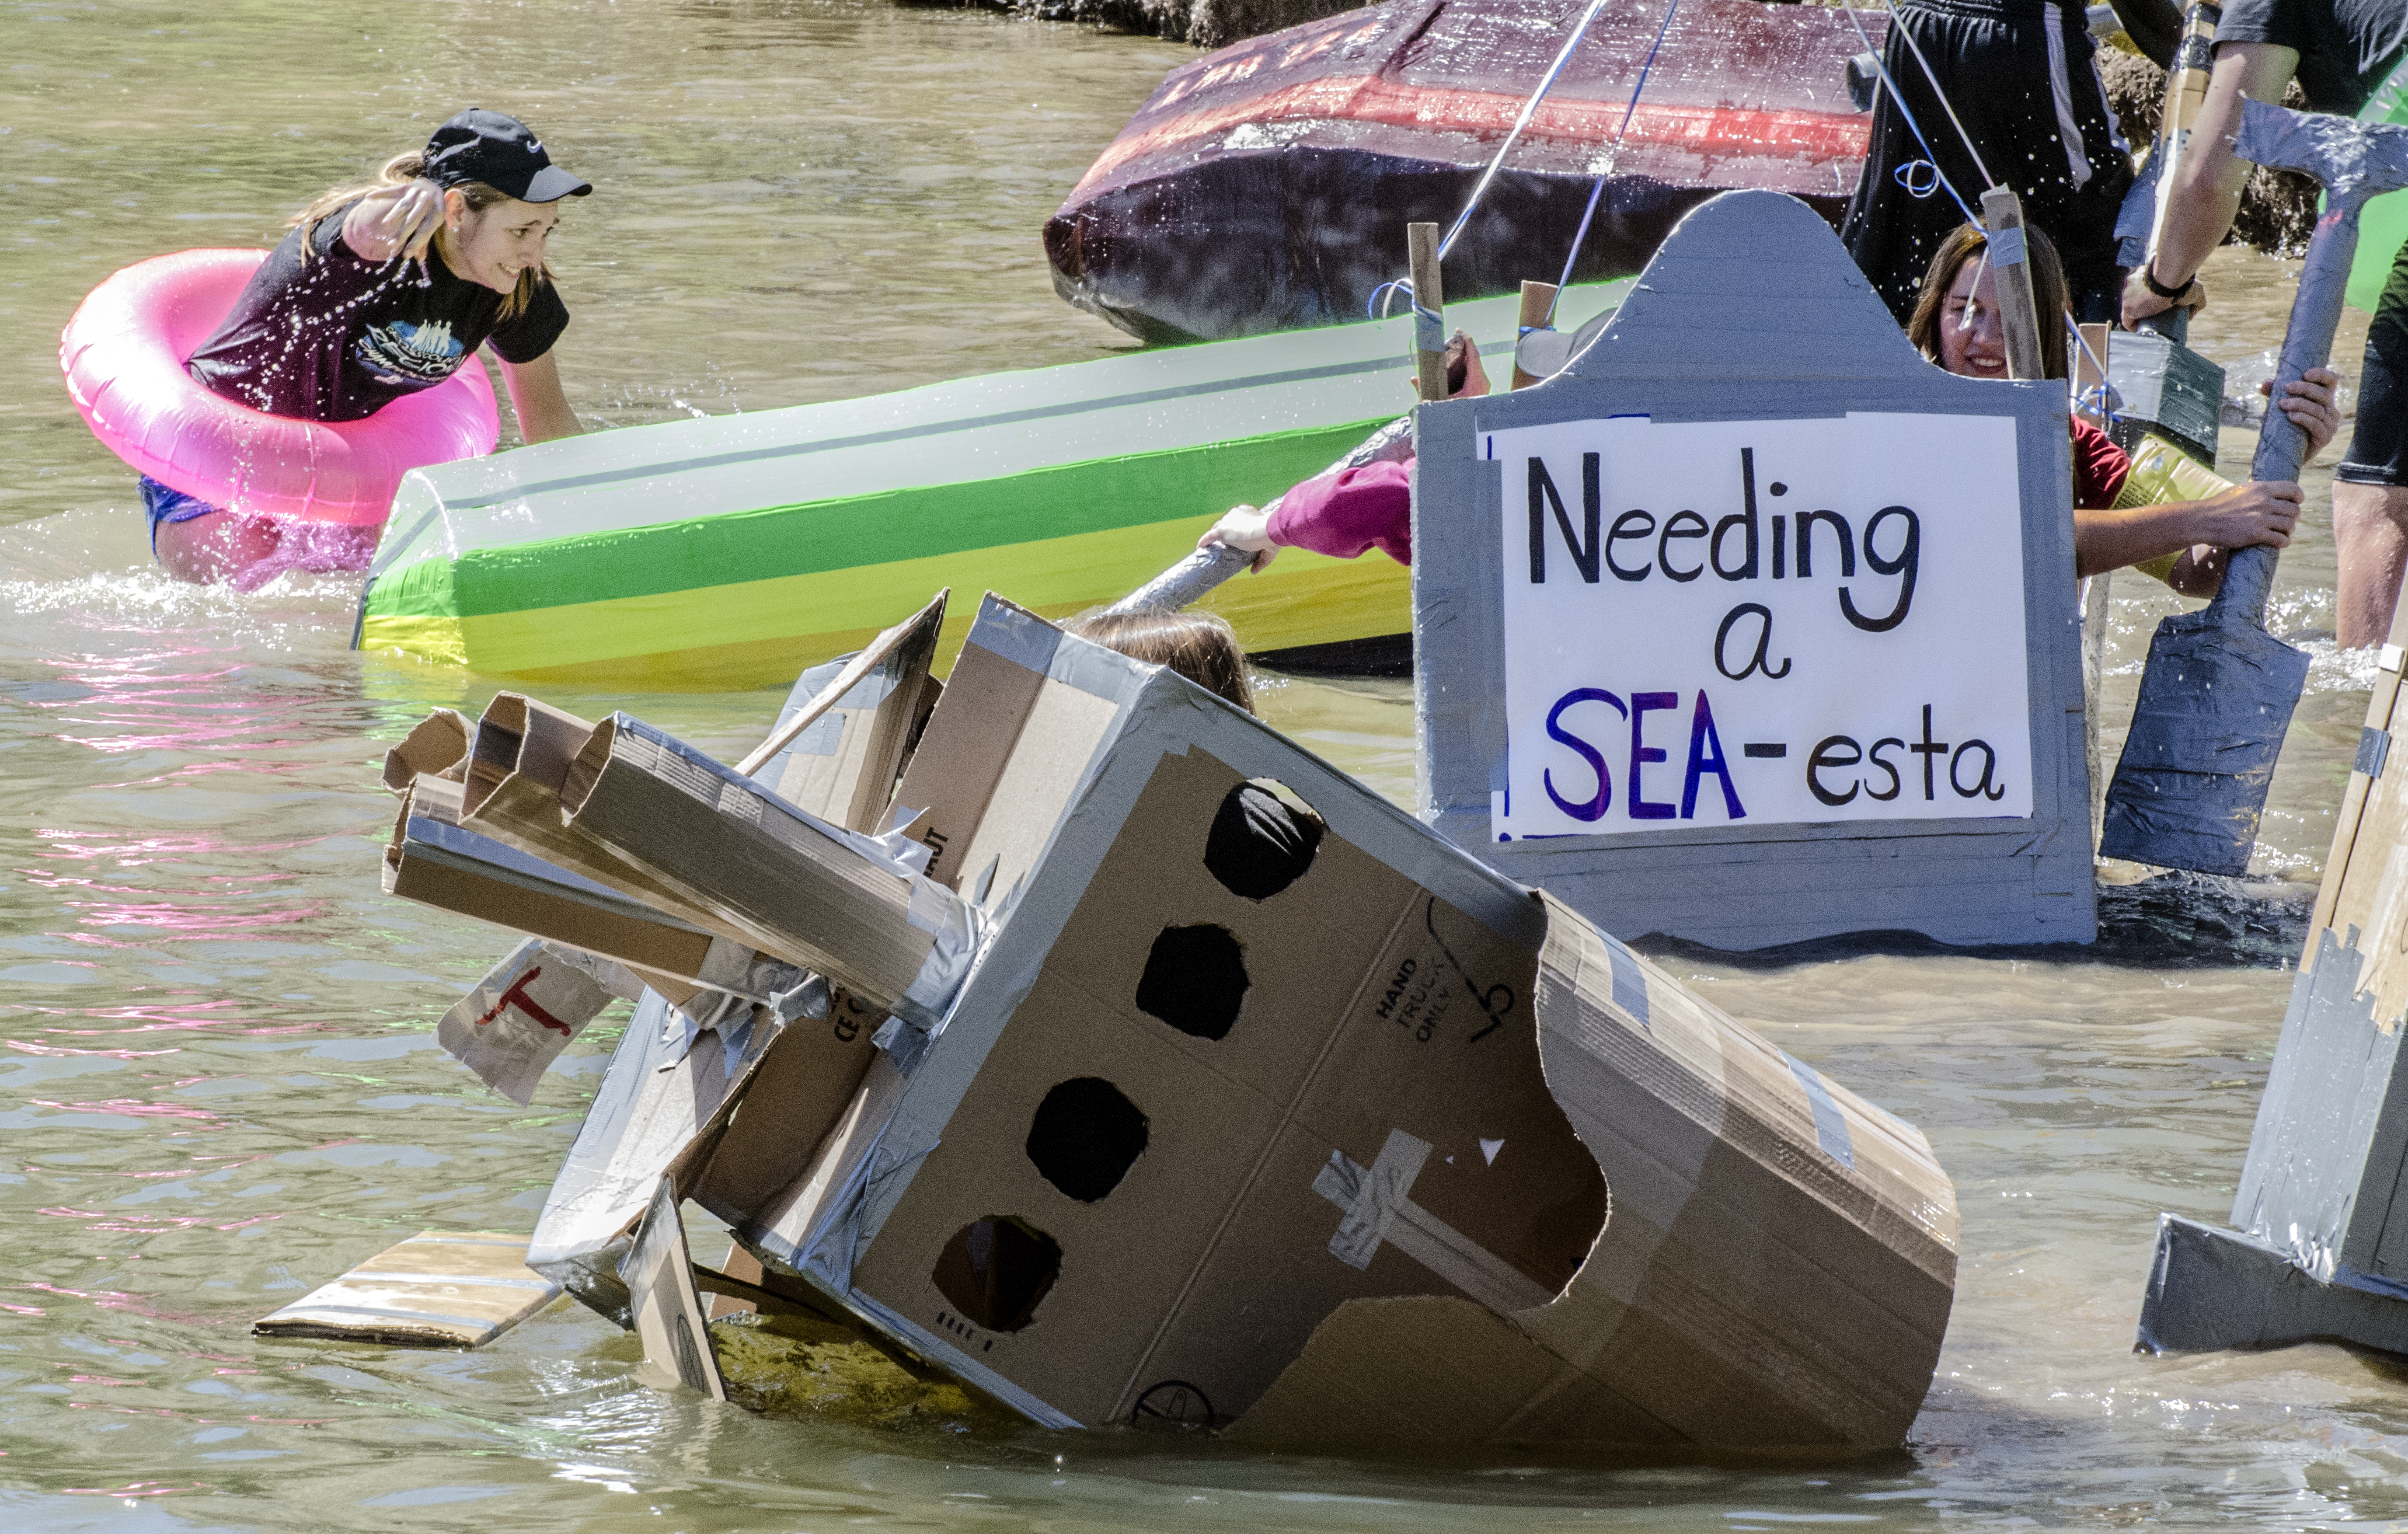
(2214, 706)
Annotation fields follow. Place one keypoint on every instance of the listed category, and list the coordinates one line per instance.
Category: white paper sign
(1762, 622)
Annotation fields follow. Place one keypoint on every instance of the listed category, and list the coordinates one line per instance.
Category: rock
(2278, 209)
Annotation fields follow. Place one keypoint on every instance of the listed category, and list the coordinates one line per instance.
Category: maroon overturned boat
(1268, 186)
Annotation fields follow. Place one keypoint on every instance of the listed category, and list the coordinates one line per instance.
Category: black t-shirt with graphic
(338, 338)
(2345, 47)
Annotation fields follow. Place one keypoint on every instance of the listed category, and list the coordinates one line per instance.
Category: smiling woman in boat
(381, 291)
(2116, 522)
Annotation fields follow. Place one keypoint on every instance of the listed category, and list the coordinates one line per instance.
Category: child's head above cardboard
(1200, 646)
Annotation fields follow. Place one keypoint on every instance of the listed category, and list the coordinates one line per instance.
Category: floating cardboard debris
(438, 1289)
(514, 1023)
(1262, 1104)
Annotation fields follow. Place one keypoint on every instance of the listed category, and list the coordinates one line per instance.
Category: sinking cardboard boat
(1263, 1106)
(1268, 185)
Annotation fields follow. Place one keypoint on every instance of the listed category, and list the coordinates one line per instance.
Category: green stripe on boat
(790, 535)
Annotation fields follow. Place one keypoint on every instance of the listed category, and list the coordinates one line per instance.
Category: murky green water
(219, 1089)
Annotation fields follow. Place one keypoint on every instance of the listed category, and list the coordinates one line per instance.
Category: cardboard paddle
(2219, 690)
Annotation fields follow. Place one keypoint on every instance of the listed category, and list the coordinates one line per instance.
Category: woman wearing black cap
(379, 291)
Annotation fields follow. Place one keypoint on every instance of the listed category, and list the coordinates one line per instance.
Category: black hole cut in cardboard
(1086, 1136)
(1194, 980)
(1260, 844)
(996, 1271)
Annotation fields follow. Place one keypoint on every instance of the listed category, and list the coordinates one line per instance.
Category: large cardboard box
(1327, 1151)
(1257, 1103)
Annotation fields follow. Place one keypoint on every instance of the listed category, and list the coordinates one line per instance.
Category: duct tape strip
(1830, 1125)
(2006, 247)
(1630, 981)
(1019, 637)
(1429, 329)
(1378, 1207)
(2374, 747)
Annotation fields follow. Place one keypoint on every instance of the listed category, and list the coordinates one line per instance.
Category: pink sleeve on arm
(1342, 514)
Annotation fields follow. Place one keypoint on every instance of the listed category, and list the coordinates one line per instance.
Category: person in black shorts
(2340, 50)
(2021, 77)
(379, 291)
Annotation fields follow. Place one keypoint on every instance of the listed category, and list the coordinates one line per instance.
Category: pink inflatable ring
(124, 353)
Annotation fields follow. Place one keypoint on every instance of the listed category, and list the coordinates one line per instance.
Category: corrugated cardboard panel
(659, 1276)
(805, 1082)
(438, 1289)
(789, 1230)
(1209, 1263)
(1778, 1262)
(842, 764)
(1006, 732)
(435, 744)
(1384, 1375)
(1125, 1258)
(761, 866)
(653, 942)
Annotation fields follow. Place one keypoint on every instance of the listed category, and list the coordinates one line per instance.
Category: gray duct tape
(1021, 637)
(1830, 1125)
(2006, 247)
(1380, 1209)
(1630, 981)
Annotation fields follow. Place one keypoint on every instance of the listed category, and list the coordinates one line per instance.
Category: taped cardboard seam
(655, 801)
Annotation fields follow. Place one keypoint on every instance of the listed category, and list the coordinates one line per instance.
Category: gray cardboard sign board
(1751, 314)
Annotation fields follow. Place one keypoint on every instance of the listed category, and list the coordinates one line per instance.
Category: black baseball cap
(501, 151)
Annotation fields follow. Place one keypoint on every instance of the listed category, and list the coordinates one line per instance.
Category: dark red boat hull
(1266, 186)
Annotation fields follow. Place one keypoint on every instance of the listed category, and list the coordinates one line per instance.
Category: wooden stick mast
(1429, 303)
(2002, 215)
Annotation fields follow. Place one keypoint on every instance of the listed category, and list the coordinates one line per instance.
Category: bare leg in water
(2371, 537)
(216, 547)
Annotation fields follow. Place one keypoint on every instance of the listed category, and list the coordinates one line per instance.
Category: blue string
(1904, 111)
(1920, 177)
(1377, 310)
(1580, 236)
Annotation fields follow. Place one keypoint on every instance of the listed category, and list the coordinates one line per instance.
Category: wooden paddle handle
(1429, 303)
(2002, 215)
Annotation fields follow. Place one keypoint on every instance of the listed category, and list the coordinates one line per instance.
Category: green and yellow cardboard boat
(733, 552)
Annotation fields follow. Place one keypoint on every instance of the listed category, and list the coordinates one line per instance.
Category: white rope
(1529, 109)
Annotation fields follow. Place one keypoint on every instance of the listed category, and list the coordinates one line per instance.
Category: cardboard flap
(440, 1288)
(435, 744)
(839, 743)
(659, 1275)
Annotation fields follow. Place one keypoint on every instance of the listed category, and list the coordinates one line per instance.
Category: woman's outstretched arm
(536, 397)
